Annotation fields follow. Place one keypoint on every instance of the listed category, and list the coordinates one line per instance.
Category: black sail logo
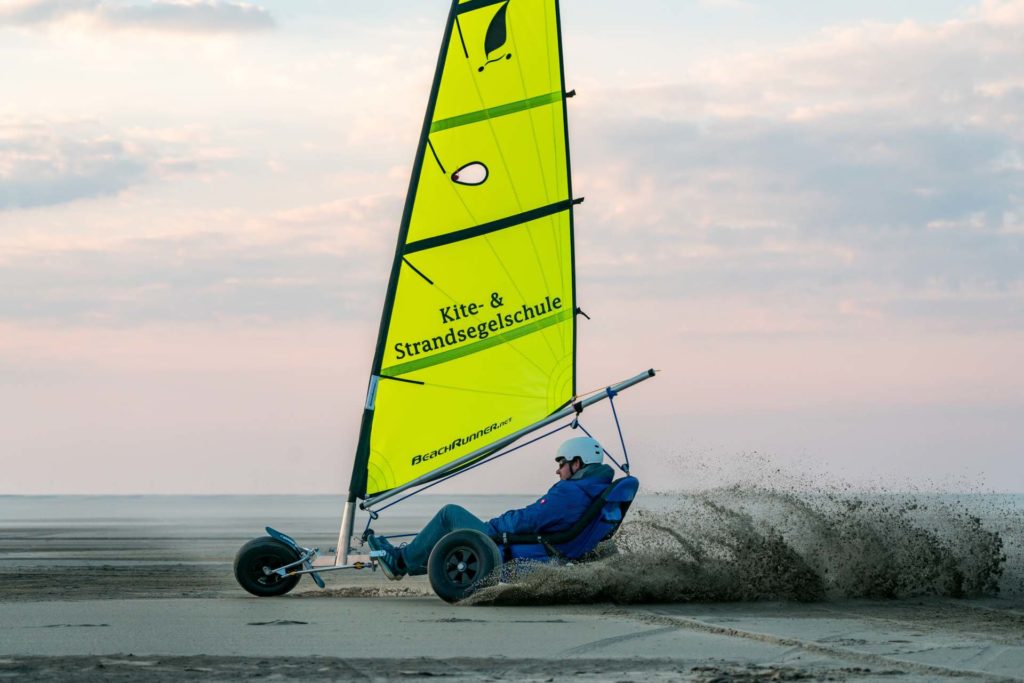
(497, 36)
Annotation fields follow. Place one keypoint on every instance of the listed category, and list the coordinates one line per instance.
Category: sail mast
(357, 483)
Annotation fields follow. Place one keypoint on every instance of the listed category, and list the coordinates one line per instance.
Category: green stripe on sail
(494, 112)
(476, 347)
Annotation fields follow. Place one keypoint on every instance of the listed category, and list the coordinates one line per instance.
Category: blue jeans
(448, 519)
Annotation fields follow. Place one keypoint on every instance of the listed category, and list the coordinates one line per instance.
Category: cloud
(313, 262)
(875, 165)
(964, 71)
(40, 166)
(873, 170)
(180, 16)
(49, 163)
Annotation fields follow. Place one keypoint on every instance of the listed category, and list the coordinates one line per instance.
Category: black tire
(462, 562)
(269, 553)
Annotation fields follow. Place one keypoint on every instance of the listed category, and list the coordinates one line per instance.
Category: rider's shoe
(390, 561)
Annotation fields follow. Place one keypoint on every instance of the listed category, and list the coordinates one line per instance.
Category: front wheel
(462, 562)
(255, 563)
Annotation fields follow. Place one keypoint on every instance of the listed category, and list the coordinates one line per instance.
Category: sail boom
(494, 447)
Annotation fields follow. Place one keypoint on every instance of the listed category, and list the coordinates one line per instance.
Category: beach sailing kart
(478, 334)
(464, 560)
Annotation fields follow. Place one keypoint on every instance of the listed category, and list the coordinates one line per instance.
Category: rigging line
(439, 287)
(582, 394)
(402, 379)
(418, 271)
(461, 39)
(625, 470)
(405, 260)
(590, 392)
(622, 439)
(436, 158)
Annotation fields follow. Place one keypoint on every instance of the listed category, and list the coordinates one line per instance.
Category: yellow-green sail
(477, 336)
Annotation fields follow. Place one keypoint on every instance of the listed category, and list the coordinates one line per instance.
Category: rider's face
(564, 470)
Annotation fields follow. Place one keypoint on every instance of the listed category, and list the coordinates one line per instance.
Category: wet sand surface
(101, 599)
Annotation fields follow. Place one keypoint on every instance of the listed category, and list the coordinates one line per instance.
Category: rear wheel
(255, 562)
(462, 562)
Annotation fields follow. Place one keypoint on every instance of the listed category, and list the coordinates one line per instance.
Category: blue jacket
(561, 506)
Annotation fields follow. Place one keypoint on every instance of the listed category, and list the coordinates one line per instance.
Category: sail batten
(493, 226)
(489, 305)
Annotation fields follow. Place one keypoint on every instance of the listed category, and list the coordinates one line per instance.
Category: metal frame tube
(358, 562)
(501, 443)
(345, 533)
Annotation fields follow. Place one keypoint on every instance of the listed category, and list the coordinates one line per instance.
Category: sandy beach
(143, 593)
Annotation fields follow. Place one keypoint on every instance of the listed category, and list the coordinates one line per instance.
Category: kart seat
(599, 522)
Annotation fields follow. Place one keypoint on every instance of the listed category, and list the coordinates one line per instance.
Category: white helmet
(583, 447)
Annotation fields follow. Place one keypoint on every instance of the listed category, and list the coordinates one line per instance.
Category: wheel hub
(461, 566)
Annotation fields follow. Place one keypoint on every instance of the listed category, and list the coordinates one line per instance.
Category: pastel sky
(808, 215)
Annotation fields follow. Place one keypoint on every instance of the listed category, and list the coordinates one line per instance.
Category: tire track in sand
(690, 623)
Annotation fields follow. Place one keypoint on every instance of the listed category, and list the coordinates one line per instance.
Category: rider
(582, 477)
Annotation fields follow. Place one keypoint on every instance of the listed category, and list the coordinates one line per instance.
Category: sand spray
(743, 542)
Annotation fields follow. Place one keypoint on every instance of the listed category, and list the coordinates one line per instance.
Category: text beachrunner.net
(460, 441)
